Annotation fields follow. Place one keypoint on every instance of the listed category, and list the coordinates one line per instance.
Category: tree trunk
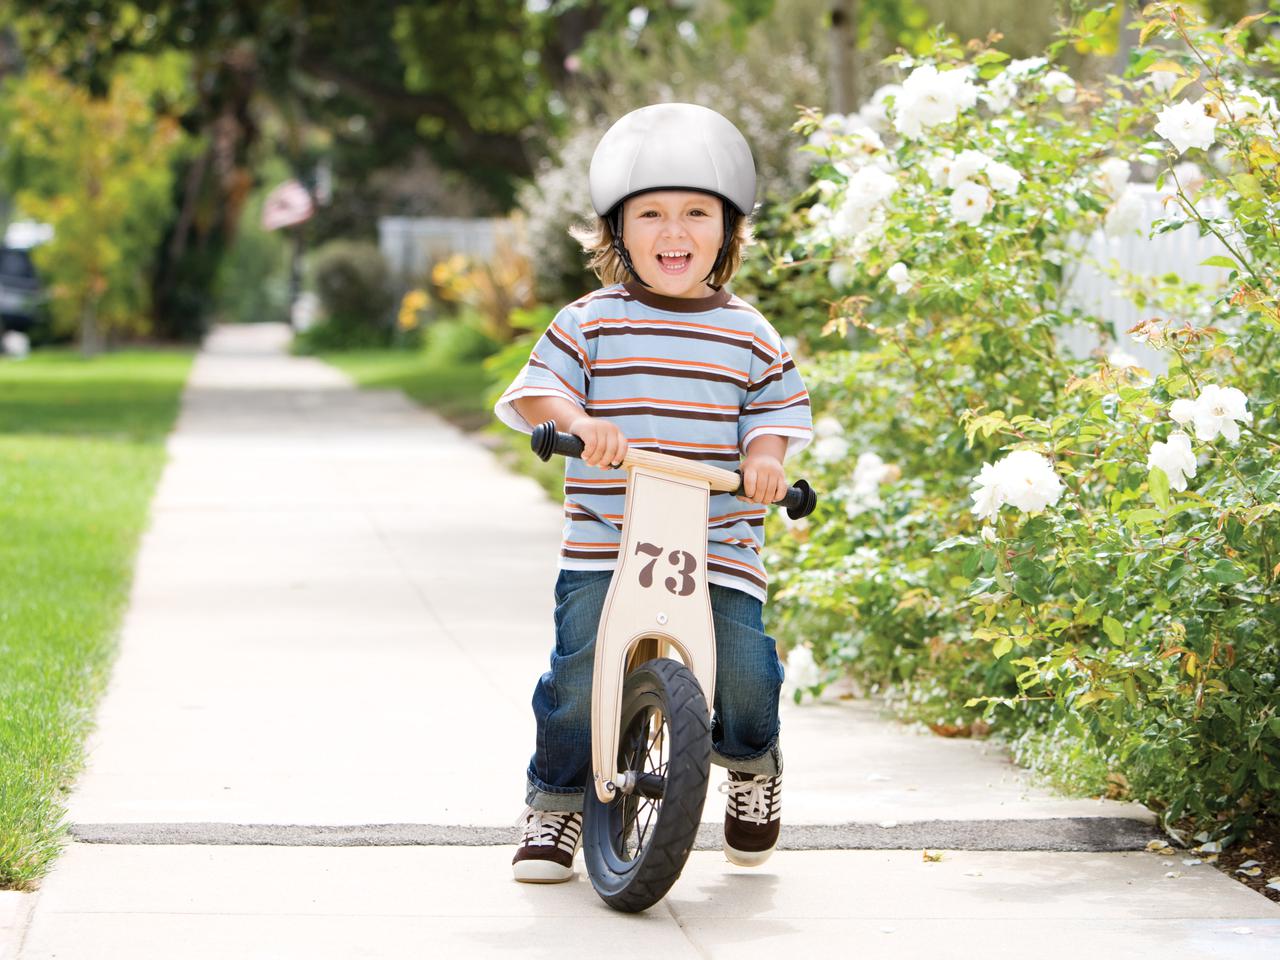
(843, 78)
(90, 335)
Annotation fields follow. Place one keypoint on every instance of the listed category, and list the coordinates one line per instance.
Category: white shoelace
(751, 797)
(543, 828)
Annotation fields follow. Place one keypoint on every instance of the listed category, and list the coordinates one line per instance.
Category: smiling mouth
(675, 264)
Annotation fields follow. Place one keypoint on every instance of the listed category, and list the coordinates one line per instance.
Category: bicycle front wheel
(636, 846)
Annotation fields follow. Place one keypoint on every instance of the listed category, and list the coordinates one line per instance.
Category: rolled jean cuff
(768, 761)
(551, 799)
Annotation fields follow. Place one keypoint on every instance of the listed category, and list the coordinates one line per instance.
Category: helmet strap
(731, 216)
(615, 228)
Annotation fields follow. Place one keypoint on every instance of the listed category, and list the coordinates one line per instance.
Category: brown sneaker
(752, 817)
(546, 850)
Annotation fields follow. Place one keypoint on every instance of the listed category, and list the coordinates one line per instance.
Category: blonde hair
(596, 238)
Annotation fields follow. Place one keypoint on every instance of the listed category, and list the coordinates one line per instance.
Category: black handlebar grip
(799, 500)
(546, 440)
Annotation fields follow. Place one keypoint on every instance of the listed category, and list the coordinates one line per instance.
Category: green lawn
(456, 390)
(81, 449)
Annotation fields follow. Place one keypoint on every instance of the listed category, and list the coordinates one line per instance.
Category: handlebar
(799, 500)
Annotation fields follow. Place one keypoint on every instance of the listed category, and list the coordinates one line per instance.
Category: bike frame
(658, 599)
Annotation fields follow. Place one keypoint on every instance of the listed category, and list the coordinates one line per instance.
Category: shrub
(1070, 546)
(353, 282)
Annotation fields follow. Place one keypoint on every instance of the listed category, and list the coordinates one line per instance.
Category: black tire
(636, 846)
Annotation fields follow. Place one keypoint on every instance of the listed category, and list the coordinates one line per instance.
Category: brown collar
(677, 304)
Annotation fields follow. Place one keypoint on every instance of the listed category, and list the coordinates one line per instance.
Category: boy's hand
(605, 445)
(763, 479)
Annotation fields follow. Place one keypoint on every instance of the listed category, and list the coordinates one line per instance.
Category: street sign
(287, 205)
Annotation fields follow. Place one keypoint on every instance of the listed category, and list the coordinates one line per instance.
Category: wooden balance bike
(650, 721)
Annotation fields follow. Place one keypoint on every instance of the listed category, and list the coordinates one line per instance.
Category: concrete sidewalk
(319, 722)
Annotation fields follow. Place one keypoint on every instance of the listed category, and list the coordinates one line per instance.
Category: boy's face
(673, 237)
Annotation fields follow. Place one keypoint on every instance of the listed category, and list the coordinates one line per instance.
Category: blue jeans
(744, 724)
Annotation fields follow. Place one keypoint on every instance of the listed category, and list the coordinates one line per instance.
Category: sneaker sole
(541, 871)
(747, 858)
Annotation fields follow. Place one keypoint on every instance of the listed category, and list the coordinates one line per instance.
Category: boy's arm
(541, 409)
(603, 443)
(763, 479)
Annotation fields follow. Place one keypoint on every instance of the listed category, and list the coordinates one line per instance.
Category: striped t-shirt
(695, 378)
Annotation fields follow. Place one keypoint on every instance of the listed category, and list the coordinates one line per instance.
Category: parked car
(21, 293)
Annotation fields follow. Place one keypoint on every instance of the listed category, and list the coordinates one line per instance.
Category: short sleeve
(776, 402)
(558, 366)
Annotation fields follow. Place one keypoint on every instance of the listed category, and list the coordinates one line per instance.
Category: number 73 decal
(682, 587)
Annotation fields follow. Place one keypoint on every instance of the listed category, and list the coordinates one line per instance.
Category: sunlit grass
(81, 449)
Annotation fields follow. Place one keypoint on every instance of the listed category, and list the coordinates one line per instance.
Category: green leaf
(1226, 572)
(1114, 630)
(1274, 725)
(1248, 186)
(1002, 646)
(1158, 485)
(1219, 261)
(1139, 517)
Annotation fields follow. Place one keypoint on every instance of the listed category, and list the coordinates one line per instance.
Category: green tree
(98, 170)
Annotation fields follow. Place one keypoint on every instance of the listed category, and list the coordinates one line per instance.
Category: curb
(1058, 834)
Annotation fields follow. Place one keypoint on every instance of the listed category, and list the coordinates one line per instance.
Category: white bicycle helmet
(672, 146)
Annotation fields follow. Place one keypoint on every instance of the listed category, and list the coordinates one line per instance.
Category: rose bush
(1074, 549)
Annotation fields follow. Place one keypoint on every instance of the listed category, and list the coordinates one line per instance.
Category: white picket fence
(1179, 252)
(412, 245)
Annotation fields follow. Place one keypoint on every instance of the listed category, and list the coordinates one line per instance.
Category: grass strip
(81, 450)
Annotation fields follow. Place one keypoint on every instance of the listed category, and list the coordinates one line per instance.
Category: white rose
(868, 237)
(1000, 92)
(829, 449)
(900, 276)
(929, 98)
(840, 274)
(866, 190)
(1120, 359)
(989, 496)
(1115, 175)
(1175, 459)
(1186, 125)
(939, 167)
(970, 202)
(875, 111)
(1126, 216)
(1248, 102)
(1162, 81)
(1021, 68)
(1182, 411)
(1003, 177)
(827, 426)
(801, 671)
(1024, 479)
(1060, 85)
(1030, 481)
(1219, 410)
(864, 142)
(1189, 175)
(967, 165)
(870, 187)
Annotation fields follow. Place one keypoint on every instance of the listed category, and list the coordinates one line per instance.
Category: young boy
(665, 358)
